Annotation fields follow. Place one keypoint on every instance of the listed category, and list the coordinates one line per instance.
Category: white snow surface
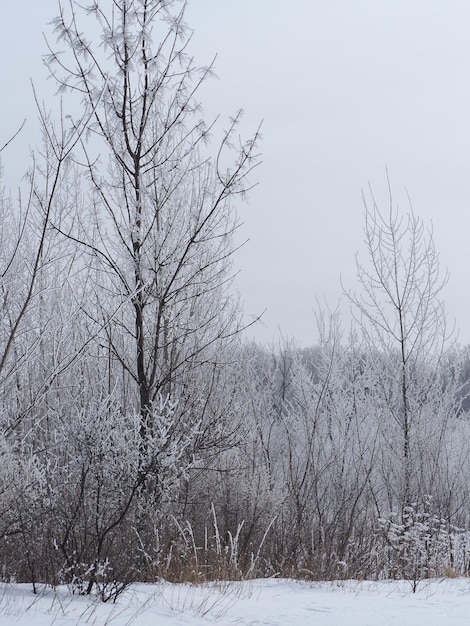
(256, 603)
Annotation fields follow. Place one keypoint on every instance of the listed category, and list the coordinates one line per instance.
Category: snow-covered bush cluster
(419, 545)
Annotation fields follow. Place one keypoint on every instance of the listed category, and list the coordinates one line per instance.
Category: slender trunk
(406, 418)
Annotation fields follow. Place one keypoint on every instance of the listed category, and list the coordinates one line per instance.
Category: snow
(255, 603)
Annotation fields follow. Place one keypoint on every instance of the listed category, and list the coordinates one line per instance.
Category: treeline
(140, 436)
(293, 465)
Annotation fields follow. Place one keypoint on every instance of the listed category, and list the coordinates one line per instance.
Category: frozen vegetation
(142, 439)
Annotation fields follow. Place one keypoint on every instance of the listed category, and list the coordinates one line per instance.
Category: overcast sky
(344, 89)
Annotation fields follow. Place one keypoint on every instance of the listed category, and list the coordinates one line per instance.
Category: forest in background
(141, 436)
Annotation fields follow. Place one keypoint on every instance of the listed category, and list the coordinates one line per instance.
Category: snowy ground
(260, 603)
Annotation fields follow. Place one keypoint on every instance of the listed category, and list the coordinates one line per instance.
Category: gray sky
(345, 90)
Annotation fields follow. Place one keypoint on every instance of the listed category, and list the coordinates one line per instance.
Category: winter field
(144, 436)
(262, 602)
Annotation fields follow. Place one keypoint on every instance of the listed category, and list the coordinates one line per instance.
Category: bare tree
(401, 315)
(28, 249)
(160, 219)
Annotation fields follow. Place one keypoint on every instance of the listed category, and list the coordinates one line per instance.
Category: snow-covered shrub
(24, 510)
(71, 499)
(420, 545)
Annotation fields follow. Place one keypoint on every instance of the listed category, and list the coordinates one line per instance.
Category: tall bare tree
(160, 218)
(401, 314)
